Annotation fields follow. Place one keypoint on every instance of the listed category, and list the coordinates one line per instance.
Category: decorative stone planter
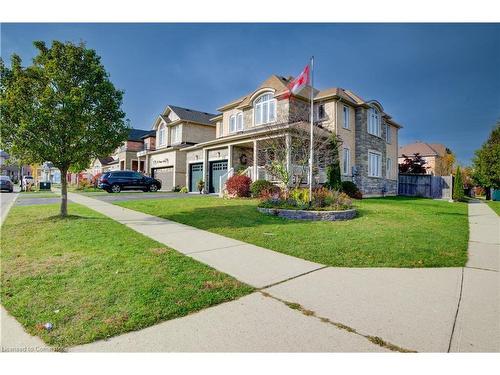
(310, 215)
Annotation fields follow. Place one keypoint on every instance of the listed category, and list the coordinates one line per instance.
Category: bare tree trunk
(64, 193)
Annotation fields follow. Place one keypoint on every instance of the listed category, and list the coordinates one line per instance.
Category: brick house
(433, 153)
(368, 155)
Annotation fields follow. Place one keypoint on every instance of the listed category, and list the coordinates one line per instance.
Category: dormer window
(161, 135)
(236, 123)
(374, 122)
(264, 109)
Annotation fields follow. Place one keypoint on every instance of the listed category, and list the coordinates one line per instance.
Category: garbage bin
(44, 186)
(495, 195)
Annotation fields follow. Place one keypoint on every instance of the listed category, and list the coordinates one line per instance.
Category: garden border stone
(310, 215)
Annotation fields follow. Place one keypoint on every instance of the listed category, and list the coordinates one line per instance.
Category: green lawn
(94, 278)
(388, 232)
(38, 194)
(495, 206)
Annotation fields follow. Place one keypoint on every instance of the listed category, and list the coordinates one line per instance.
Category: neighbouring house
(125, 157)
(173, 130)
(368, 153)
(439, 158)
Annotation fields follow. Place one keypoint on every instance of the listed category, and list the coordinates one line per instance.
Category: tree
(284, 151)
(458, 186)
(444, 164)
(333, 179)
(63, 109)
(413, 164)
(486, 163)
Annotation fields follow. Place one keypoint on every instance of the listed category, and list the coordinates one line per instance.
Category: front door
(217, 169)
(195, 175)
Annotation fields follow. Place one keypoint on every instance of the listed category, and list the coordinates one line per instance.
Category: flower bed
(326, 205)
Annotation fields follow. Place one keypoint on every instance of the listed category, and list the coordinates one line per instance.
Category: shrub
(95, 179)
(176, 189)
(351, 189)
(299, 197)
(84, 184)
(322, 199)
(201, 186)
(183, 190)
(257, 187)
(458, 186)
(238, 186)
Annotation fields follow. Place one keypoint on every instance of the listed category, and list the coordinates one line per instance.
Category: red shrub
(95, 179)
(238, 186)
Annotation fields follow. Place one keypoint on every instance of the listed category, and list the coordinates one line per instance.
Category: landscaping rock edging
(310, 215)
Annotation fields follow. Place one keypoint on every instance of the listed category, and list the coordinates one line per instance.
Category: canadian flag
(299, 82)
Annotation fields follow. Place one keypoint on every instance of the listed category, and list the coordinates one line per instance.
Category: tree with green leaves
(486, 163)
(458, 186)
(63, 108)
(333, 179)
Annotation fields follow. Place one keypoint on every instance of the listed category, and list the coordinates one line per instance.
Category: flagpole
(311, 149)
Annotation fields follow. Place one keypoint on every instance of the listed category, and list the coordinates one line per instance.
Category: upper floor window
(221, 129)
(176, 134)
(374, 122)
(320, 112)
(345, 117)
(161, 135)
(236, 123)
(388, 134)
(264, 109)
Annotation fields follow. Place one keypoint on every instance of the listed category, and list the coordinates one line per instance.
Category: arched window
(161, 135)
(264, 109)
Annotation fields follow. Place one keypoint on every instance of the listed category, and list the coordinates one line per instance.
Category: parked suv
(116, 181)
(6, 184)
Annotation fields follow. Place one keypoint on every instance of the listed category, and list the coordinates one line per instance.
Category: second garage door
(166, 176)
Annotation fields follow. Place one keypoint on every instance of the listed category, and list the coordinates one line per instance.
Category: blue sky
(441, 81)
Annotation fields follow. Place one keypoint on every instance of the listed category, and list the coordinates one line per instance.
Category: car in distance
(116, 181)
(6, 184)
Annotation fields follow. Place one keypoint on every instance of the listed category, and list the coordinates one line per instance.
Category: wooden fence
(425, 185)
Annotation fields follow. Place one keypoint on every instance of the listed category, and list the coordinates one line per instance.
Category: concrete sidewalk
(251, 264)
(477, 327)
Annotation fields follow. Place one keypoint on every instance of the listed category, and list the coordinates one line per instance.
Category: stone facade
(365, 142)
(310, 215)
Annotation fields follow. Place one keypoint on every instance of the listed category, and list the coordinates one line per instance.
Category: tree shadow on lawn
(59, 218)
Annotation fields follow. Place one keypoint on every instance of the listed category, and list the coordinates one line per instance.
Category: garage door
(195, 175)
(217, 169)
(166, 176)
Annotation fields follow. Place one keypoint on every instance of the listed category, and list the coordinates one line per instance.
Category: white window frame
(374, 122)
(264, 109)
(388, 168)
(346, 161)
(232, 123)
(176, 135)
(221, 128)
(377, 171)
(239, 121)
(161, 135)
(345, 117)
(388, 133)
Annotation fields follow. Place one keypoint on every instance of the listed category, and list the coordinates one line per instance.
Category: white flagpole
(311, 150)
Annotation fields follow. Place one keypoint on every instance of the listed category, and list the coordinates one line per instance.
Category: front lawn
(93, 278)
(495, 206)
(388, 232)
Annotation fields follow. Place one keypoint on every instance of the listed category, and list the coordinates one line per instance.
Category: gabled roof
(150, 133)
(136, 134)
(107, 160)
(423, 148)
(191, 115)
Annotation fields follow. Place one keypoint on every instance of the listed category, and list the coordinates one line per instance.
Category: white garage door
(166, 176)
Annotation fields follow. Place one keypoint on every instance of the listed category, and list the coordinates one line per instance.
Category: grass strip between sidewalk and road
(93, 278)
(495, 206)
(388, 232)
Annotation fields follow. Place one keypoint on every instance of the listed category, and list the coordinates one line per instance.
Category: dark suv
(116, 181)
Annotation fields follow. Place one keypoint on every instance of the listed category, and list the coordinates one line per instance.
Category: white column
(205, 168)
(229, 157)
(255, 173)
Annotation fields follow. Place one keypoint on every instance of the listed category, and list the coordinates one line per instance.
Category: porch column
(288, 143)
(255, 173)
(229, 157)
(205, 169)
